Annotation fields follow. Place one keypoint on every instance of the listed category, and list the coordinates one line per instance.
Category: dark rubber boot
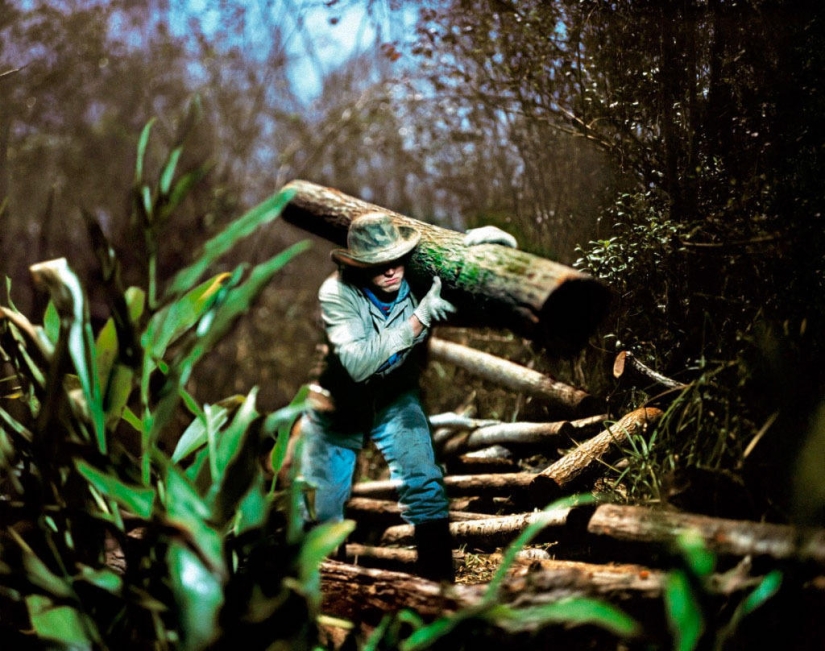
(435, 550)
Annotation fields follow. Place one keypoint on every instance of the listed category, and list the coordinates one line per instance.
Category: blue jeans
(401, 433)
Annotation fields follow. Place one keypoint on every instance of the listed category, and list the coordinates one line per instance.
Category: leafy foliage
(108, 541)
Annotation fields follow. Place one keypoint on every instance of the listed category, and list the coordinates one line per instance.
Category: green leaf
(239, 229)
(62, 624)
(181, 189)
(121, 384)
(199, 595)
(281, 421)
(187, 510)
(143, 141)
(253, 508)
(573, 611)
(698, 557)
(683, 611)
(51, 322)
(195, 435)
(69, 300)
(236, 303)
(319, 543)
(168, 172)
(231, 438)
(107, 580)
(766, 589)
(176, 318)
(138, 499)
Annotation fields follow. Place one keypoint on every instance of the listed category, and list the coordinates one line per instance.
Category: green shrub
(108, 541)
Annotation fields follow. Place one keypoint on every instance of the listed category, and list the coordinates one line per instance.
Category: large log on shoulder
(491, 285)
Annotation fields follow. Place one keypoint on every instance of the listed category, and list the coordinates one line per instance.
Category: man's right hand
(432, 307)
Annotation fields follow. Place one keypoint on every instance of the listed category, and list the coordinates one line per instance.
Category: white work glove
(489, 235)
(432, 307)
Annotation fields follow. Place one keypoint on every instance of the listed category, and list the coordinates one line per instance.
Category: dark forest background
(674, 149)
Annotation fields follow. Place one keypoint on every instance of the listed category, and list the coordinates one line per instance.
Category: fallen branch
(720, 535)
(628, 367)
(553, 480)
(457, 486)
(488, 533)
(512, 376)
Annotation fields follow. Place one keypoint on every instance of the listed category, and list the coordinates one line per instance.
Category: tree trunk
(726, 537)
(489, 533)
(553, 480)
(491, 285)
(512, 376)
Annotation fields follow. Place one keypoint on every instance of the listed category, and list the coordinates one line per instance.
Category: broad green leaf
(51, 322)
(121, 384)
(424, 637)
(63, 624)
(253, 508)
(176, 318)
(231, 438)
(199, 595)
(236, 303)
(698, 557)
(319, 543)
(106, 346)
(281, 421)
(766, 589)
(242, 227)
(186, 509)
(138, 499)
(573, 611)
(686, 622)
(195, 435)
(108, 580)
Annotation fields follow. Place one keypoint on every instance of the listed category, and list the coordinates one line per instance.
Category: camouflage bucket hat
(374, 239)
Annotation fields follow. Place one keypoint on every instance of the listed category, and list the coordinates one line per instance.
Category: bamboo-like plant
(107, 541)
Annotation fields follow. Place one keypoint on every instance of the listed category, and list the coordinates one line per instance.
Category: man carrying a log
(368, 386)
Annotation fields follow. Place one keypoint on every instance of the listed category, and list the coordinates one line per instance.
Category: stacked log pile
(618, 553)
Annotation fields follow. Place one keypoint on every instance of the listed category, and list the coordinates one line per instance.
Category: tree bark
(366, 507)
(489, 533)
(468, 464)
(491, 285)
(722, 536)
(553, 480)
(506, 483)
(512, 376)
(365, 595)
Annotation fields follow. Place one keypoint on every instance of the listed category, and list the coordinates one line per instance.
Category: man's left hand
(489, 235)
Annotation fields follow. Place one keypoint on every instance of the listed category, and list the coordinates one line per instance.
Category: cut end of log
(571, 314)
